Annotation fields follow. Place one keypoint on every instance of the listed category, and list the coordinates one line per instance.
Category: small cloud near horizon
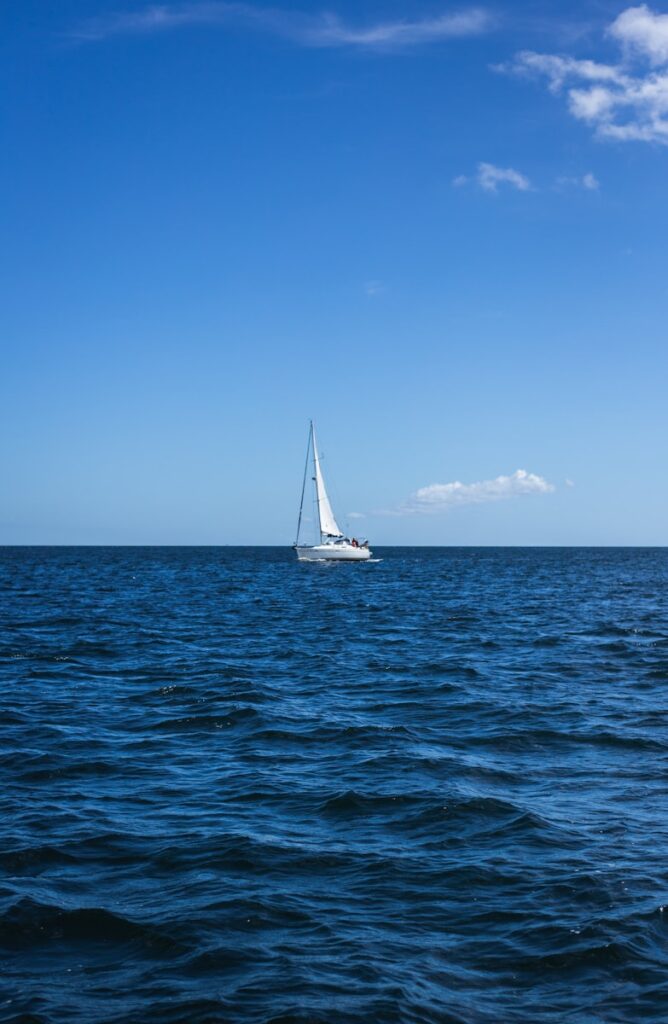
(440, 497)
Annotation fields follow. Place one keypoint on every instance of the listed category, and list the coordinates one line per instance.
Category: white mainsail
(328, 524)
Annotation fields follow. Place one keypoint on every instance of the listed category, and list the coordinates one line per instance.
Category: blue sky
(439, 230)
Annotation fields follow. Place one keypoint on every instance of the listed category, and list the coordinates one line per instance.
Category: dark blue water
(235, 788)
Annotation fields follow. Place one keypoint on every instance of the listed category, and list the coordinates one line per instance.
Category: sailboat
(333, 545)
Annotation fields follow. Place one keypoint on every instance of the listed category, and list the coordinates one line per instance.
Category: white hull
(332, 553)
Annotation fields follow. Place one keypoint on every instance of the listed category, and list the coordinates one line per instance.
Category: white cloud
(587, 181)
(318, 30)
(332, 31)
(490, 177)
(643, 32)
(155, 18)
(356, 515)
(440, 497)
(373, 288)
(619, 101)
(557, 69)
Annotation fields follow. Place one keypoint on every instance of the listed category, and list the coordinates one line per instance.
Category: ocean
(431, 789)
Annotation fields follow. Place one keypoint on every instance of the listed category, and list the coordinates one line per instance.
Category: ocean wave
(243, 789)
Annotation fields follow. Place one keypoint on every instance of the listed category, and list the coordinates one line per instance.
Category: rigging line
(301, 503)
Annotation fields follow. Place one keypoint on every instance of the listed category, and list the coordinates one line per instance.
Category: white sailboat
(333, 545)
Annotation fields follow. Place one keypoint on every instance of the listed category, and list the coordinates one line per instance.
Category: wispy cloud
(624, 101)
(489, 177)
(374, 288)
(441, 497)
(587, 181)
(317, 30)
(156, 18)
(332, 31)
